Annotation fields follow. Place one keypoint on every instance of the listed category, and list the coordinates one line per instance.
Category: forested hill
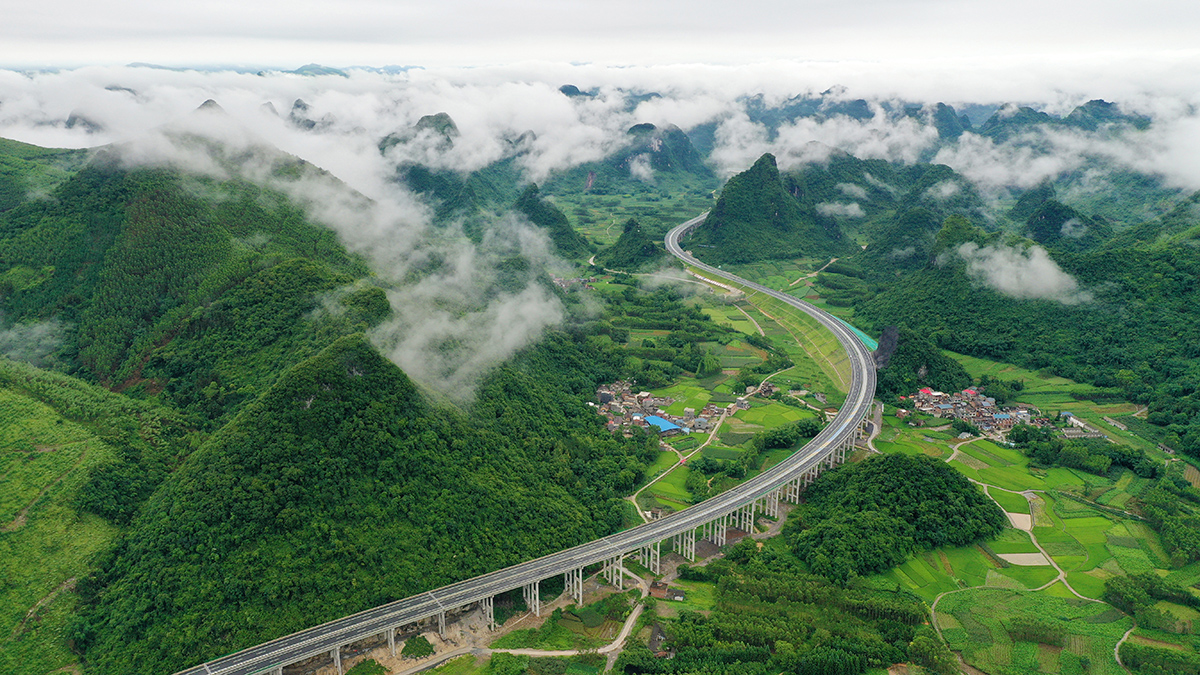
(291, 475)
(1128, 323)
(910, 361)
(634, 249)
(340, 489)
(543, 214)
(652, 157)
(757, 219)
(146, 270)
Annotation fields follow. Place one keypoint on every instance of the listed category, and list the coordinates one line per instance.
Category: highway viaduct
(709, 520)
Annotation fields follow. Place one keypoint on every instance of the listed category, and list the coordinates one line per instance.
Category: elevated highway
(708, 520)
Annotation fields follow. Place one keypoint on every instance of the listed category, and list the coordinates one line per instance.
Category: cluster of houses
(623, 408)
(972, 406)
(982, 412)
(578, 282)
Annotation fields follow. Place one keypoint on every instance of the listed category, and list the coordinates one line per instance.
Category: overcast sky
(483, 32)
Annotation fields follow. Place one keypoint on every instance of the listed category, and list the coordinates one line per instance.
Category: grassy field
(699, 596)
(982, 595)
(980, 624)
(819, 345)
(45, 545)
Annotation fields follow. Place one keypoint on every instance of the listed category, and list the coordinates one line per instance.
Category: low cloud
(1073, 228)
(851, 210)
(853, 191)
(943, 190)
(639, 168)
(459, 307)
(1022, 273)
(813, 140)
(32, 343)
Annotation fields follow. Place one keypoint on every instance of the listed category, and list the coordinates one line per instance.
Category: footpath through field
(1029, 496)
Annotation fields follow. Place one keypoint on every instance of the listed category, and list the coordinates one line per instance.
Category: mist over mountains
(419, 171)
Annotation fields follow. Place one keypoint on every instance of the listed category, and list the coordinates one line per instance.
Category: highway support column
(533, 598)
(573, 582)
(489, 610)
(650, 556)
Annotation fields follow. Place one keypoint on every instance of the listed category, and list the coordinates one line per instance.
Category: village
(624, 409)
(982, 412)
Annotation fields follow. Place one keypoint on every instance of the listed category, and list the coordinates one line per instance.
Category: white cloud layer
(851, 210)
(1022, 273)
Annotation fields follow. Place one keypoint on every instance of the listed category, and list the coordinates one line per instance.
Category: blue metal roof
(663, 425)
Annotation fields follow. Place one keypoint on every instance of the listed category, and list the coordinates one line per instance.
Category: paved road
(326, 637)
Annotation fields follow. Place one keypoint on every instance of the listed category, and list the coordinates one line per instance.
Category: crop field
(687, 394)
(720, 452)
(727, 315)
(601, 218)
(981, 595)
(770, 415)
(777, 274)
(671, 486)
(978, 622)
(664, 461)
(1012, 502)
(819, 344)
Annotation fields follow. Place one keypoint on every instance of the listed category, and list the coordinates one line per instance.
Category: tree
(417, 647)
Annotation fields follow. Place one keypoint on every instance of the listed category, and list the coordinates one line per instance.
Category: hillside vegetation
(757, 219)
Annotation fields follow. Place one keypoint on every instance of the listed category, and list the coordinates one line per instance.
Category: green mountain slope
(633, 250)
(653, 158)
(757, 219)
(543, 214)
(1130, 326)
(341, 488)
(76, 460)
(138, 263)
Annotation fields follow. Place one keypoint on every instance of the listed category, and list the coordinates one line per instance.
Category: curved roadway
(335, 634)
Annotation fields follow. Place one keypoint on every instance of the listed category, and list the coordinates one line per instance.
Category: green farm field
(978, 622)
(979, 594)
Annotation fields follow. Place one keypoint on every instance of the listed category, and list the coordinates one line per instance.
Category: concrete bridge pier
(722, 527)
(441, 615)
(336, 654)
(772, 505)
(612, 572)
(746, 518)
(489, 610)
(685, 544)
(533, 598)
(573, 583)
(391, 635)
(649, 556)
(793, 494)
